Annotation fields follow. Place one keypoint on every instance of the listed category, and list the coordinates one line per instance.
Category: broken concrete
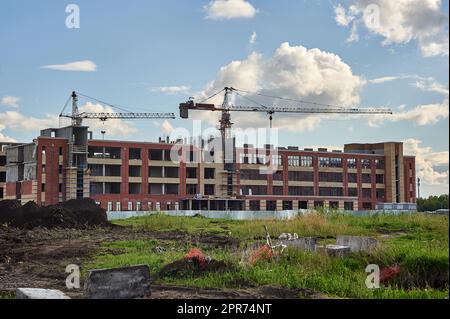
(288, 236)
(334, 250)
(357, 243)
(118, 283)
(36, 293)
(304, 243)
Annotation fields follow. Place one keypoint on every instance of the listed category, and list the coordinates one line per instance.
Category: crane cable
(292, 100)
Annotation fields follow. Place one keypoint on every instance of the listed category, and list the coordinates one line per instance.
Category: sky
(153, 55)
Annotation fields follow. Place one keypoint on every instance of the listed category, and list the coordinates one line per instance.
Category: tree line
(432, 203)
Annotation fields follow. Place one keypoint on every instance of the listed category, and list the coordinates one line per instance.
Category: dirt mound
(72, 214)
(188, 267)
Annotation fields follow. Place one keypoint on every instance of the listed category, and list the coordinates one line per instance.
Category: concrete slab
(357, 243)
(37, 293)
(118, 283)
(303, 243)
(334, 250)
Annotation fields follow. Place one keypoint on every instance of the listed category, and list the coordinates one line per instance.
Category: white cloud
(3, 137)
(293, 71)
(425, 114)
(383, 79)
(431, 166)
(229, 9)
(400, 22)
(112, 127)
(182, 89)
(11, 101)
(432, 86)
(80, 66)
(341, 17)
(17, 121)
(252, 39)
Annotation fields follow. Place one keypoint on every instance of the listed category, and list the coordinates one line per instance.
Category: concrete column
(295, 204)
(310, 204)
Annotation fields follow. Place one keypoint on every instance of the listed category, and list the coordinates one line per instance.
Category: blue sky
(143, 49)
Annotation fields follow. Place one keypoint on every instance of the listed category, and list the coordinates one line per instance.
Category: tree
(433, 203)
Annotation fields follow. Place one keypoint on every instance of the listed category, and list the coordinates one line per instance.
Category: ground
(417, 243)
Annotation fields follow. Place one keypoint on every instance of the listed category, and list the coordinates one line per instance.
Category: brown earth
(37, 258)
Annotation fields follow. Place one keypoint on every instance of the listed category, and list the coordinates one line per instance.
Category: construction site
(346, 209)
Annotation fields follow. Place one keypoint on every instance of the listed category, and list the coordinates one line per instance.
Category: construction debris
(304, 243)
(118, 283)
(288, 236)
(36, 293)
(334, 250)
(357, 243)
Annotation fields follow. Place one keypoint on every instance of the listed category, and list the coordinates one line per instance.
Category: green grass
(418, 243)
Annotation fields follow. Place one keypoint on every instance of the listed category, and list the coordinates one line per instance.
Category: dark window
(366, 178)
(318, 204)
(2, 160)
(134, 171)
(367, 205)
(379, 179)
(379, 164)
(330, 177)
(330, 191)
(209, 189)
(191, 189)
(172, 189)
(301, 191)
(135, 154)
(287, 205)
(271, 205)
(277, 176)
(255, 205)
(303, 204)
(277, 190)
(43, 188)
(210, 173)
(334, 205)
(301, 176)
(366, 193)
(191, 172)
(252, 174)
(60, 188)
(156, 155)
(352, 192)
(60, 151)
(60, 169)
(380, 193)
(134, 188)
(351, 163)
(348, 205)
(352, 178)
(2, 177)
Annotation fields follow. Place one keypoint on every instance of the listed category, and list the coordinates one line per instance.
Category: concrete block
(303, 243)
(37, 293)
(118, 283)
(357, 243)
(336, 250)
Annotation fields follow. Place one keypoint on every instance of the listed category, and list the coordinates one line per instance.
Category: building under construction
(66, 163)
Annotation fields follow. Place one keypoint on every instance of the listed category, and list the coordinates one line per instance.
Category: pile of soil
(77, 214)
(187, 267)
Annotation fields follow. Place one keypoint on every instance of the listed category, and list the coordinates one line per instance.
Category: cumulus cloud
(432, 167)
(17, 121)
(182, 89)
(293, 72)
(78, 66)
(229, 9)
(399, 22)
(3, 137)
(11, 101)
(424, 114)
(114, 127)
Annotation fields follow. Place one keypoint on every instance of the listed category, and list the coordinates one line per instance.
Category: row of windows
(153, 188)
(139, 206)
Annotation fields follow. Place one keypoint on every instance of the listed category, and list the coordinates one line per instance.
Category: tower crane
(225, 123)
(227, 107)
(77, 117)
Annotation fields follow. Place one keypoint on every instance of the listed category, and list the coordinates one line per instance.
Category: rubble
(36, 293)
(118, 283)
(357, 243)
